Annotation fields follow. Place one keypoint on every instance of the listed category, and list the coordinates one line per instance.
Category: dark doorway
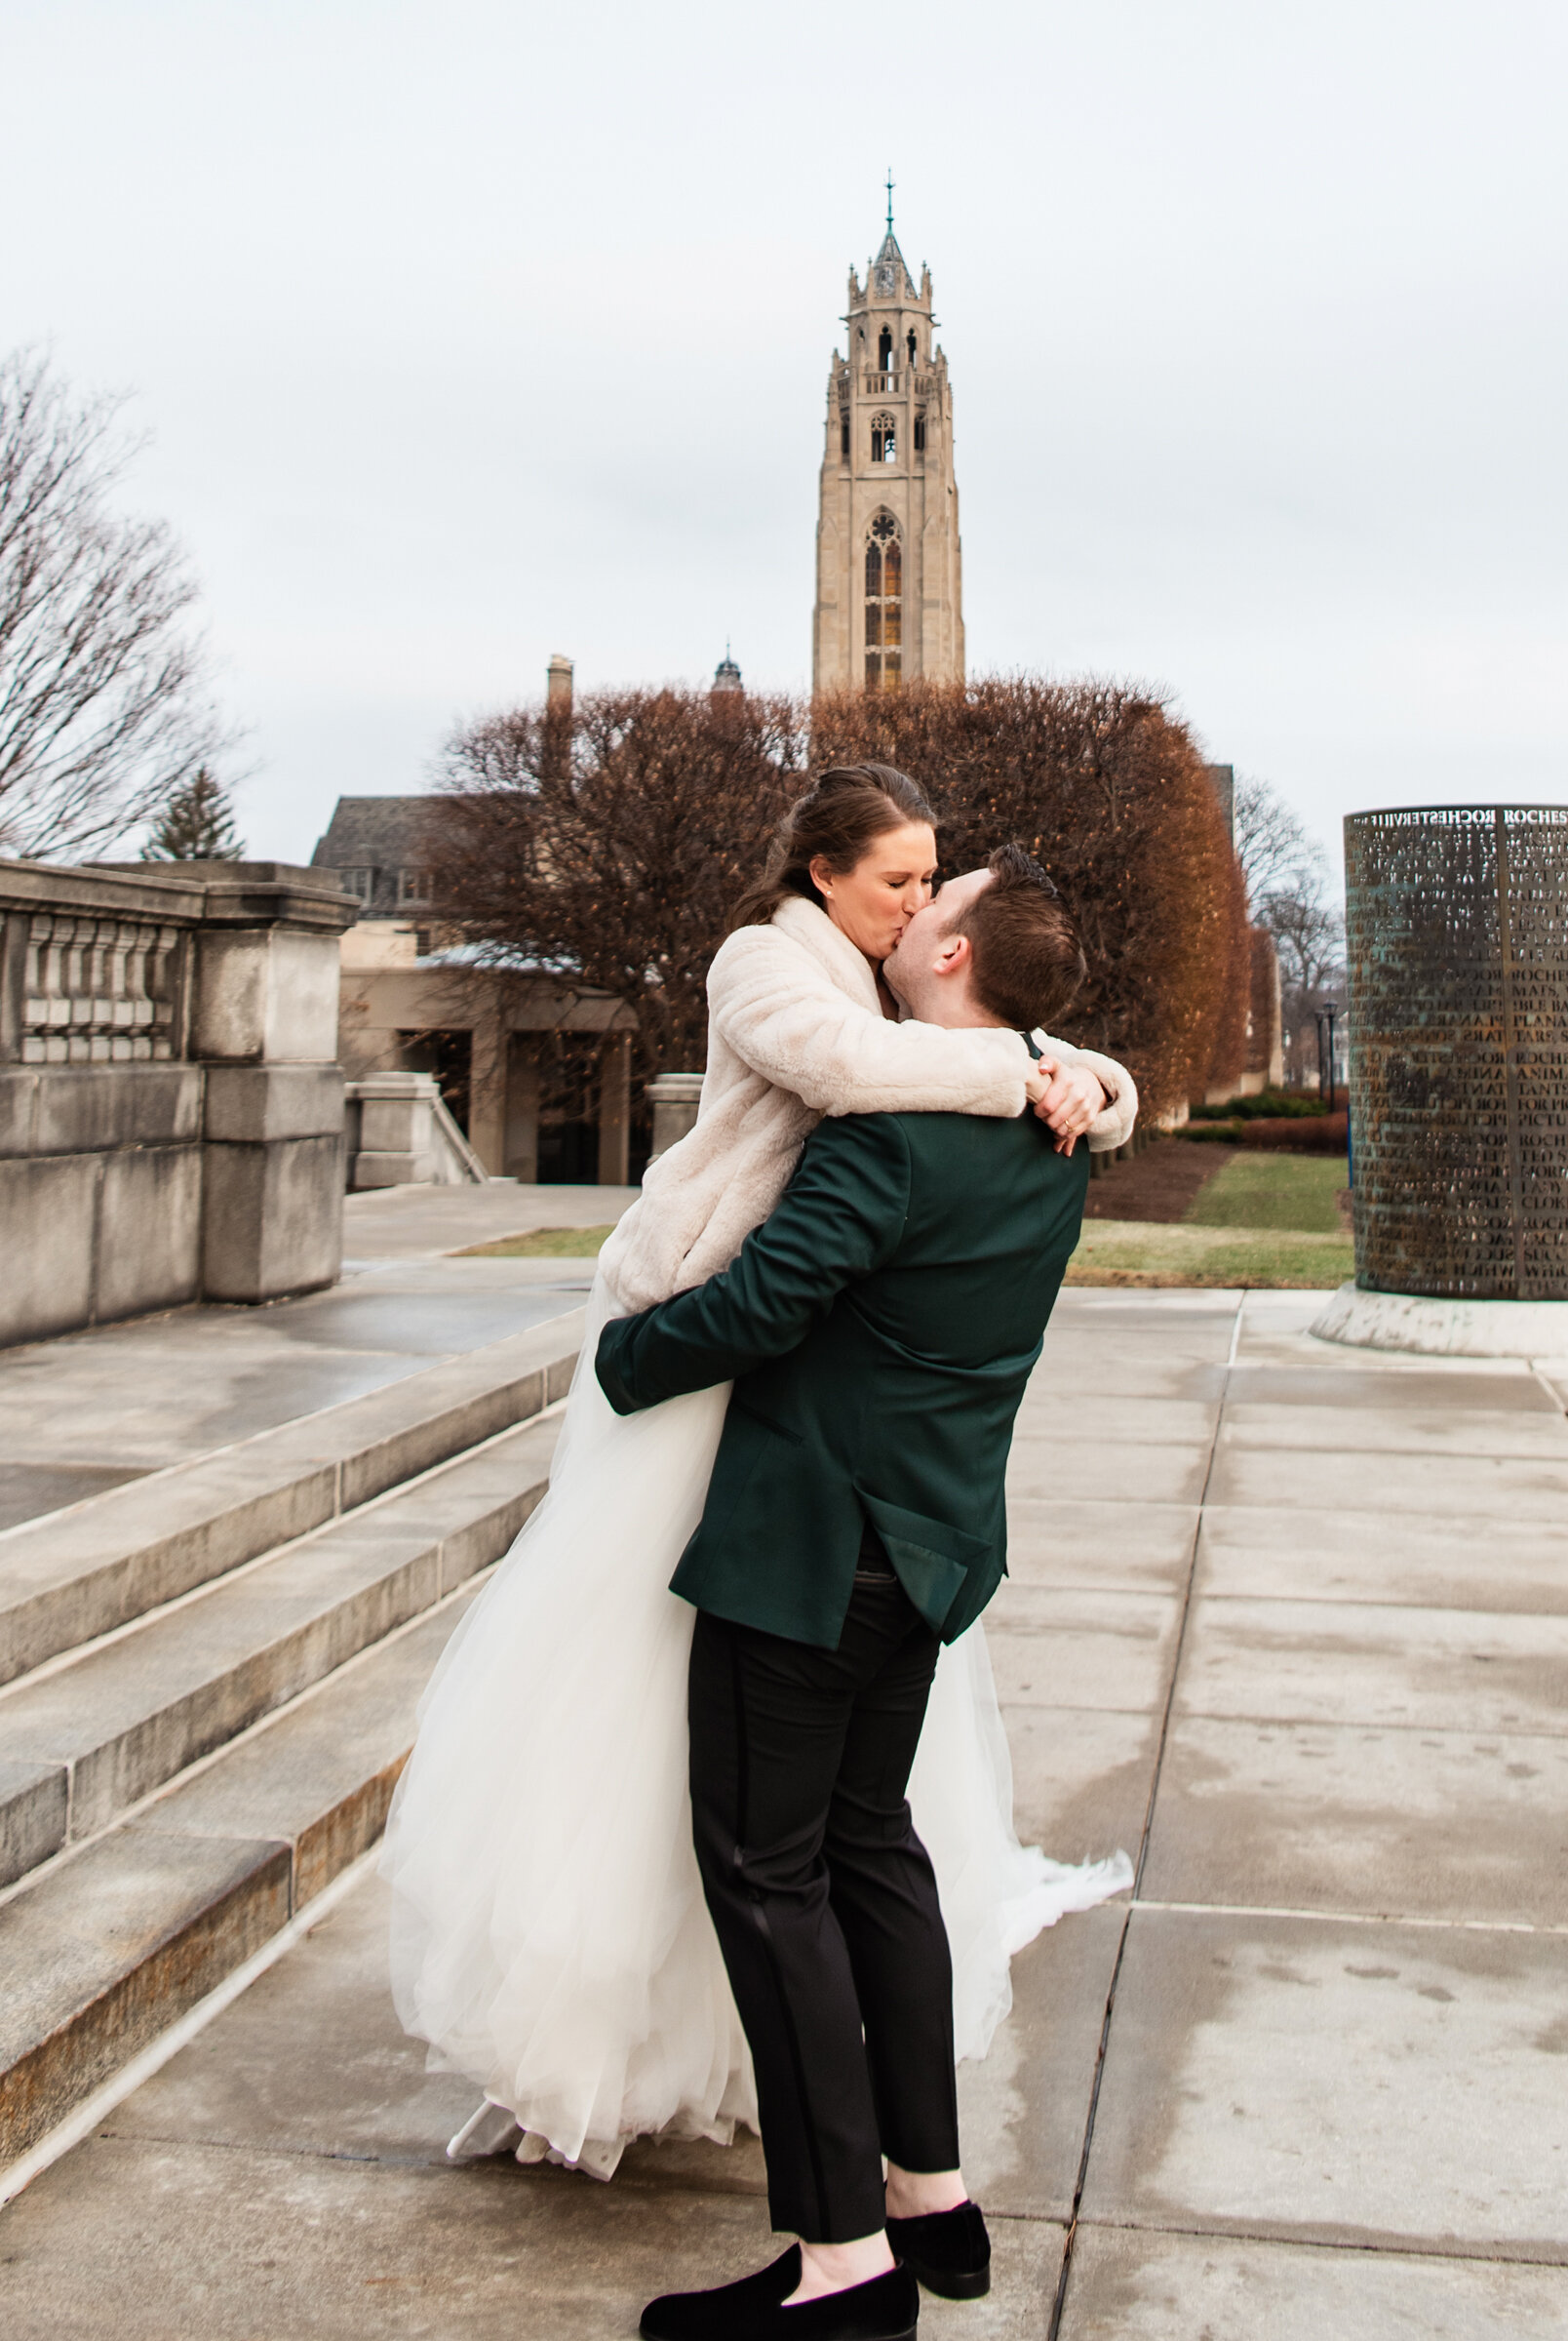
(569, 1111)
(450, 1057)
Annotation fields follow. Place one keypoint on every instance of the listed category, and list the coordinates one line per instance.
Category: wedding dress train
(549, 1936)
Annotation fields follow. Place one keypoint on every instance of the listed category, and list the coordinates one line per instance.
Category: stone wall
(171, 1107)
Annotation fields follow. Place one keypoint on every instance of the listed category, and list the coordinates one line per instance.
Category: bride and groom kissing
(653, 1858)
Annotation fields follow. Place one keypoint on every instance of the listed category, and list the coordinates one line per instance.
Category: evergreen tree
(196, 824)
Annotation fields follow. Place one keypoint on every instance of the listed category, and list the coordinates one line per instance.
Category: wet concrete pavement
(1289, 1622)
(101, 1407)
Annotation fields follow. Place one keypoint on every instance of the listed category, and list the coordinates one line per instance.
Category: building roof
(384, 838)
(889, 270)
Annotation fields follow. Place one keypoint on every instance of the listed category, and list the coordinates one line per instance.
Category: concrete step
(84, 1740)
(119, 1938)
(82, 1572)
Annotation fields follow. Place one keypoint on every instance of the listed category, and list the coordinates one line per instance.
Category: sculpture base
(1445, 1329)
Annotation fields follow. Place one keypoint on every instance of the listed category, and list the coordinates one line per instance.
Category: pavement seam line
(1065, 2271)
(1494, 2254)
(1351, 1918)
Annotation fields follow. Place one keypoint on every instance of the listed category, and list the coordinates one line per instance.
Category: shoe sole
(948, 2284)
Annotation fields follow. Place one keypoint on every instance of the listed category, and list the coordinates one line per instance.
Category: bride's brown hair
(837, 819)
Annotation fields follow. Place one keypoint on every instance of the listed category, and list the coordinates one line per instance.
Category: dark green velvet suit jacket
(879, 1328)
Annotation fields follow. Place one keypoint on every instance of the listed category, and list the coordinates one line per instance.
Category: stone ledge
(34, 1803)
(321, 1777)
(110, 1948)
(68, 1577)
(129, 1716)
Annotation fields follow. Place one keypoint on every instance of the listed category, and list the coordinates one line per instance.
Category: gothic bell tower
(889, 596)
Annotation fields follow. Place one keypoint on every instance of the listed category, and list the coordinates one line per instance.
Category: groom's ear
(955, 954)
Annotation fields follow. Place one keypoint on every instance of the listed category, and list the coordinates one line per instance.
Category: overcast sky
(468, 333)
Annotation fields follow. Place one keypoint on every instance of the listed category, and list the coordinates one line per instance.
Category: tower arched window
(885, 350)
(883, 439)
(884, 603)
(911, 346)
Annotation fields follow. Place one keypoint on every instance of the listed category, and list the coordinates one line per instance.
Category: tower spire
(889, 199)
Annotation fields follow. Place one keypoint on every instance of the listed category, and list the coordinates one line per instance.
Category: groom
(880, 1328)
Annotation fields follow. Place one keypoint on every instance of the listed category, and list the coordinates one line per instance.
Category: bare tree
(604, 843)
(1309, 932)
(1277, 852)
(104, 711)
(1286, 871)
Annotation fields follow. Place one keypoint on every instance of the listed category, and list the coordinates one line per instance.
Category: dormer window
(414, 885)
(883, 439)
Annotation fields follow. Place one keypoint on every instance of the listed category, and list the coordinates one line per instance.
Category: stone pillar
(486, 1078)
(265, 1028)
(675, 1098)
(614, 1110)
(1266, 1049)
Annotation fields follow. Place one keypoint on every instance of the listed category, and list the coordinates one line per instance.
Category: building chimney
(558, 684)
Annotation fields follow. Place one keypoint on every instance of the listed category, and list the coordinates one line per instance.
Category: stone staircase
(208, 1683)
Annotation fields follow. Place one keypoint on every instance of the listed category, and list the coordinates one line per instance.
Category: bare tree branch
(1277, 852)
(104, 709)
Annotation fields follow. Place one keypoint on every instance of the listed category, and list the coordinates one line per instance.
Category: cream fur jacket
(795, 1031)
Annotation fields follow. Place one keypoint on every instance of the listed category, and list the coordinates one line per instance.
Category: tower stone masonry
(889, 596)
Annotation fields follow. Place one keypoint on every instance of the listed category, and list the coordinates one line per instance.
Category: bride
(549, 1934)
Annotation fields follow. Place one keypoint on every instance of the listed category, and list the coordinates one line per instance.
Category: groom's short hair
(1027, 961)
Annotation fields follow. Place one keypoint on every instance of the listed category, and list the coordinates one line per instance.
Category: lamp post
(1326, 1015)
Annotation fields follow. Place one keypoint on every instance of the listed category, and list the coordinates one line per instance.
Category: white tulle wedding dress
(549, 1935)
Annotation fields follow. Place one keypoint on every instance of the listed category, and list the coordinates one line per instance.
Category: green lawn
(1263, 1189)
(1140, 1252)
(1264, 1219)
(543, 1244)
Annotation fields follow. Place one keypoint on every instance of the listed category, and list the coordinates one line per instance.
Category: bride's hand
(1066, 1097)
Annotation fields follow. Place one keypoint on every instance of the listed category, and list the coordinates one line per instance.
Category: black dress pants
(825, 1903)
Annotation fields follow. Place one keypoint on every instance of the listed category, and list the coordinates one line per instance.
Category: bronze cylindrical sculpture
(1456, 942)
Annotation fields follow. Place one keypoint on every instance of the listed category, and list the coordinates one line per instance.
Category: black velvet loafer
(949, 2252)
(887, 2308)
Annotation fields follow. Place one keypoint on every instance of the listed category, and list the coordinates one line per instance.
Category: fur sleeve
(784, 1017)
(1113, 1125)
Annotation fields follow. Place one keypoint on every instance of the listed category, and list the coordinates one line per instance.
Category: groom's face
(915, 968)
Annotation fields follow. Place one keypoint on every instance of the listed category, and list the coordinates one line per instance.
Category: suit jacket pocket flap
(932, 1558)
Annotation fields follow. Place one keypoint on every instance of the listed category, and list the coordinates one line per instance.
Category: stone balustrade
(170, 1105)
(100, 990)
